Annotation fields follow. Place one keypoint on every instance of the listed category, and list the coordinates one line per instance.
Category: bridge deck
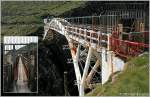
(99, 36)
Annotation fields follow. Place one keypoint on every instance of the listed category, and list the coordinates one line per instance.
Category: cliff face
(52, 65)
(50, 70)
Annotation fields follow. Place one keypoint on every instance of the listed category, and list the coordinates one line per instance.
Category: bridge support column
(81, 92)
(76, 65)
(75, 57)
(89, 77)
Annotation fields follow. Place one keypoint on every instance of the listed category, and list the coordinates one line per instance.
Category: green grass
(22, 19)
(19, 29)
(31, 12)
(134, 80)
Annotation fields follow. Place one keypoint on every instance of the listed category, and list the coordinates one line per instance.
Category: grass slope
(27, 13)
(134, 80)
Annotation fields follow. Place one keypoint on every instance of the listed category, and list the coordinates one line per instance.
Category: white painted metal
(106, 66)
(75, 57)
(95, 67)
(108, 45)
(81, 92)
(76, 60)
(52, 23)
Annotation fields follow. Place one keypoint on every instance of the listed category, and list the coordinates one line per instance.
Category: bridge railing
(95, 30)
(102, 23)
(127, 48)
(90, 36)
(122, 47)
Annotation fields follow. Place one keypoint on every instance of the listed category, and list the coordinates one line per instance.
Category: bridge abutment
(110, 65)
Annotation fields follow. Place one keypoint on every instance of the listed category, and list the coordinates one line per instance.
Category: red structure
(126, 47)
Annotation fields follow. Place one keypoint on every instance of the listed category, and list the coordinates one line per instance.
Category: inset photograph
(20, 69)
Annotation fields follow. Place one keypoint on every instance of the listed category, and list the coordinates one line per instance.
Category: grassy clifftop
(25, 17)
(134, 80)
